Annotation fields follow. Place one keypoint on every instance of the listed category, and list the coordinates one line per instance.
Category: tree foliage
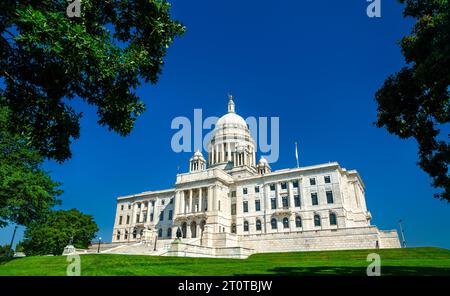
(27, 193)
(414, 102)
(48, 59)
(53, 234)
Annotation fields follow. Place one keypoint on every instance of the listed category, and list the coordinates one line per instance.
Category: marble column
(148, 211)
(200, 201)
(291, 195)
(209, 199)
(191, 202)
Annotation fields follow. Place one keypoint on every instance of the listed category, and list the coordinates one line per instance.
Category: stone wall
(338, 239)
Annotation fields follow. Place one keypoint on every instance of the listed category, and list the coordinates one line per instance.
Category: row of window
(312, 181)
(163, 202)
(138, 217)
(284, 201)
(298, 223)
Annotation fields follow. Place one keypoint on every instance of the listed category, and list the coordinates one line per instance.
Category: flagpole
(296, 154)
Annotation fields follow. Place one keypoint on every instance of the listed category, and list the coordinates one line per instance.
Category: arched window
(126, 234)
(298, 222)
(134, 233)
(258, 224)
(273, 222)
(333, 220)
(233, 228)
(285, 222)
(184, 229)
(316, 220)
(193, 229)
(160, 232)
(169, 232)
(245, 225)
(118, 235)
(141, 233)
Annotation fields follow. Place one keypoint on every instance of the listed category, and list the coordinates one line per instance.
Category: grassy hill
(411, 261)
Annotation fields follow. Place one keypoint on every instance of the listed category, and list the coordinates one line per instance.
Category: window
(258, 224)
(285, 201)
(153, 203)
(233, 209)
(245, 225)
(118, 235)
(160, 232)
(233, 193)
(169, 232)
(128, 219)
(129, 206)
(316, 220)
(256, 189)
(329, 197)
(298, 222)
(257, 205)
(120, 220)
(139, 205)
(327, 179)
(144, 213)
(163, 201)
(295, 184)
(126, 234)
(245, 206)
(244, 190)
(272, 187)
(333, 220)
(285, 222)
(273, 203)
(312, 181)
(171, 202)
(314, 199)
(151, 217)
(170, 214)
(121, 207)
(219, 205)
(284, 186)
(161, 216)
(297, 200)
(134, 233)
(233, 228)
(273, 222)
(138, 218)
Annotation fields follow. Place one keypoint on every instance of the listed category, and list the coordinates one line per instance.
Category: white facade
(231, 206)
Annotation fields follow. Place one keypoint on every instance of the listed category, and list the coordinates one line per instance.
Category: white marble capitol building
(231, 205)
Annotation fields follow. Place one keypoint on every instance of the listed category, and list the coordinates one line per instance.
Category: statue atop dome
(231, 107)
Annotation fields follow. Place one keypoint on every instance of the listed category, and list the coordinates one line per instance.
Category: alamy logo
(374, 8)
(374, 268)
(74, 8)
(188, 134)
(74, 267)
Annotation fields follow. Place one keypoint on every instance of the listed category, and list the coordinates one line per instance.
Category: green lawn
(412, 261)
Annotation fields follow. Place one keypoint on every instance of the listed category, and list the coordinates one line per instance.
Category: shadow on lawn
(358, 271)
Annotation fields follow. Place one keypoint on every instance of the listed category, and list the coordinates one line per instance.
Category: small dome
(198, 153)
(262, 160)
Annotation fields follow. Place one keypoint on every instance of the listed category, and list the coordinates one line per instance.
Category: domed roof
(198, 153)
(263, 160)
(231, 119)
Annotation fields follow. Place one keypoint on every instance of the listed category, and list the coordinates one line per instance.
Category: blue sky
(314, 64)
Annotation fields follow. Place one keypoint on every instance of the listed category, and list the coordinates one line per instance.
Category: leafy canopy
(48, 59)
(52, 235)
(27, 193)
(414, 102)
